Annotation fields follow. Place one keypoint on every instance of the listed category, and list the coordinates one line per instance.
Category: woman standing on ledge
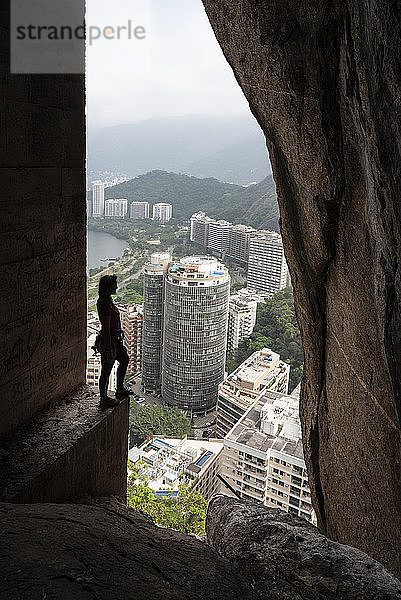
(111, 346)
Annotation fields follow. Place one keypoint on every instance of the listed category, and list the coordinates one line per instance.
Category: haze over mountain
(227, 148)
(254, 205)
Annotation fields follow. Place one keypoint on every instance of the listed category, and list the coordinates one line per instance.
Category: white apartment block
(263, 457)
(162, 212)
(218, 237)
(116, 207)
(241, 319)
(170, 462)
(98, 199)
(267, 267)
(139, 210)
(238, 248)
(94, 366)
(263, 370)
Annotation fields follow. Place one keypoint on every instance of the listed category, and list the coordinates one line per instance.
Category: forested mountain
(254, 205)
(229, 148)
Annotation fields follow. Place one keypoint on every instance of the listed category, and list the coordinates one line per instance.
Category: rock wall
(43, 239)
(322, 79)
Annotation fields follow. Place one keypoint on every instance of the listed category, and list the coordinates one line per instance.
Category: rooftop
(170, 461)
(271, 423)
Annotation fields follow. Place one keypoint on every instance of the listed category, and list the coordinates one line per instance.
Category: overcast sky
(178, 69)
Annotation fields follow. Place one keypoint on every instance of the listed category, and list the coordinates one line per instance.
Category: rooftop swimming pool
(201, 461)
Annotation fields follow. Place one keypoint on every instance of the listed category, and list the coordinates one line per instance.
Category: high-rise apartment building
(263, 370)
(263, 457)
(139, 210)
(239, 240)
(218, 237)
(116, 208)
(267, 267)
(241, 319)
(153, 295)
(132, 324)
(162, 212)
(194, 335)
(98, 199)
(200, 228)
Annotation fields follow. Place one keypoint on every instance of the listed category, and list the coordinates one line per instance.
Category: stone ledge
(73, 450)
(106, 552)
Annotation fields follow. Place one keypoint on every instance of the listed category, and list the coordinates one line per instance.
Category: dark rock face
(77, 552)
(43, 237)
(322, 79)
(73, 450)
(288, 559)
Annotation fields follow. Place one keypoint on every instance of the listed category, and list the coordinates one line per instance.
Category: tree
(163, 420)
(185, 511)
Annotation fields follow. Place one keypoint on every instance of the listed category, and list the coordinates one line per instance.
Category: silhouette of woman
(111, 347)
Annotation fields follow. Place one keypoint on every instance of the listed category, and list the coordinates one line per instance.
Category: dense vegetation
(276, 328)
(185, 512)
(254, 205)
(148, 420)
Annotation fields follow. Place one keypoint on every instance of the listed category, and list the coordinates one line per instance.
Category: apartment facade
(98, 199)
(267, 267)
(116, 208)
(153, 299)
(239, 240)
(241, 319)
(263, 370)
(139, 210)
(263, 459)
(132, 324)
(200, 229)
(218, 237)
(162, 211)
(194, 335)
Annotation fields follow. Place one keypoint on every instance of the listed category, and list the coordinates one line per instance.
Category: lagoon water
(102, 245)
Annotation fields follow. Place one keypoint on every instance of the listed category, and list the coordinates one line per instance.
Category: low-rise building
(263, 458)
(263, 370)
(171, 461)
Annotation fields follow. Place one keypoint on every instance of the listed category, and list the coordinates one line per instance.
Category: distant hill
(254, 205)
(230, 149)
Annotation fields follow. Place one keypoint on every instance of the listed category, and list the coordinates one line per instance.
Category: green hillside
(255, 205)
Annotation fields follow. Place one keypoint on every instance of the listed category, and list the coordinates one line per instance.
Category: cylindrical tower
(195, 330)
(153, 284)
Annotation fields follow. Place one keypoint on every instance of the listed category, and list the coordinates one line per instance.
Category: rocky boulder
(287, 558)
